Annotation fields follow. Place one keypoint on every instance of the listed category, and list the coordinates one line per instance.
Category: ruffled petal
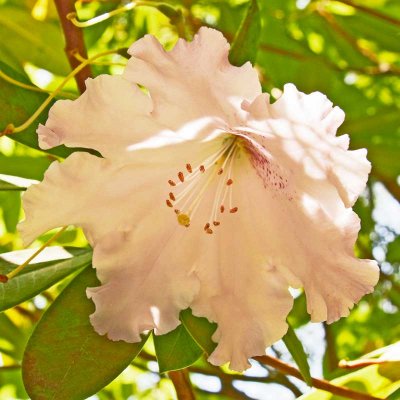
(299, 130)
(241, 289)
(112, 114)
(307, 230)
(193, 80)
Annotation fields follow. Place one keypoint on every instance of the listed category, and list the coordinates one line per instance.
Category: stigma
(191, 184)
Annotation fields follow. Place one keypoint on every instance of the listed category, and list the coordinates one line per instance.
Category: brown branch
(74, 43)
(317, 383)
(372, 12)
(182, 384)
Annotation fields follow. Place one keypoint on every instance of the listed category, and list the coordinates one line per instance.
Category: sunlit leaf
(296, 349)
(37, 277)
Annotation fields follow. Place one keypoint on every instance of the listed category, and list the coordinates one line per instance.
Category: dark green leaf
(65, 358)
(245, 45)
(200, 329)
(296, 349)
(37, 277)
(176, 349)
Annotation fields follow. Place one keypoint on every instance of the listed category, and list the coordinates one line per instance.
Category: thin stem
(317, 383)
(8, 79)
(17, 270)
(103, 17)
(74, 42)
(11, 129)
(182, 384)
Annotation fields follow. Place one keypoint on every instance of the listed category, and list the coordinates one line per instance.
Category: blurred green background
(349, 50)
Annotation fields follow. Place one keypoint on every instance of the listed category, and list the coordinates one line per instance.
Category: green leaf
(65, 358)
(37, 277)
(245, 45)
(30, 40)
(393, 251)
(296, 349)
(176, 349)
(6, 186)
(201, 329)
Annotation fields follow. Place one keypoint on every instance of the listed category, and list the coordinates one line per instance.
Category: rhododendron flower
(207, 196)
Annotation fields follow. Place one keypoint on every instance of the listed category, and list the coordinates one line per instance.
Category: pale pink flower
(207, 197)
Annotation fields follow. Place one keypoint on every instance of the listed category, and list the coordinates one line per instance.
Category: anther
(222, 209)
(181, 176)
(202, 169)
(177, 211)
(169, 204)
(206, 226)
(171, 182)
(221, 170)
(189, 168)
(184, 220)
(3, 278)
(216, 223)
(233, 210)
(209, 231)
(171, 196)
(229, 182)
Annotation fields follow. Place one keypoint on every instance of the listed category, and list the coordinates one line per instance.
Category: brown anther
(229, 182)
(209, 231)
(176, 211)
(202, 169)
(222, 209)
(181, 176)
(216, 223)
(233, 210)
(171, 196)
(206, 226)
(221, 170)
(169, 204)
(171, 182)
(189, 168)
(3, 278)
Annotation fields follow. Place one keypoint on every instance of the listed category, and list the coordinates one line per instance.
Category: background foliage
(348, 49)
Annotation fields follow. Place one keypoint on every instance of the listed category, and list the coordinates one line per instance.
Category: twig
(183, 387)
(372, 12)
(361, 363)
(74, 41)
(317, 383)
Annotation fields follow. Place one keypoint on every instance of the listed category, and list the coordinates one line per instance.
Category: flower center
(189, 189)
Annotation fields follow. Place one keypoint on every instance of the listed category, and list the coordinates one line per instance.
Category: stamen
(191, 186)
